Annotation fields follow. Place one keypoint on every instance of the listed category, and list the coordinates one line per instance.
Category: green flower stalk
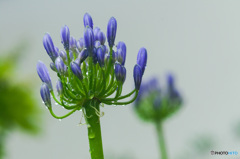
(155, 105)
(89, 72)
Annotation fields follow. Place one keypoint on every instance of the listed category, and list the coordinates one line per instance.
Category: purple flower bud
(89, 38)
(71, 55)
(65, 36)
(120, 56)
(56, 51)
(72, 43)
(80, 44)
(76, 70)
(120, 73)
(61, 67)
(95, 31)
(83, 55)
(63, 55)
(137, 75)
(49, 47)
(44, 74)
(142, 58)
(87, 20)
(114, 58)
(101, 37)
(97, 44)
(111, 31)
(121, 45)
(53, 67)
(59, 87)
(45, 94)
(101, 56)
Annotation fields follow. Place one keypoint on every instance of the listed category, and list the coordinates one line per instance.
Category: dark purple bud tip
(120, 73)
(89, 38)
(61, 67)
(83, 55)
(73, 43)
(76, 70)
(44, 74)
(137, 75)
(111, 31)
(142, 58)
(101, 37)
(121, 46)
(59, 87)
(45, 94)
(101, 56)
(65, 36)
(49, 46)
(87, 20)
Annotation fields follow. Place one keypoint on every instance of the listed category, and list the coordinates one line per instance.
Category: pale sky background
(198, 40)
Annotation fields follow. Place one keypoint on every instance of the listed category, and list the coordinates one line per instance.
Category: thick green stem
(161, 140)
(94, 129)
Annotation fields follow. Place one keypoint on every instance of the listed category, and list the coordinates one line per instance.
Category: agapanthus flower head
(155, 103)
(88, 70)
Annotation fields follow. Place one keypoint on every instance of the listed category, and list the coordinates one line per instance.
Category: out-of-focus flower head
(155, 103)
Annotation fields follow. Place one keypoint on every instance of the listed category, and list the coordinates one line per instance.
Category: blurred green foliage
(18, 108)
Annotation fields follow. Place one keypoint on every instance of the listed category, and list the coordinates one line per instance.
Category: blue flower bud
(101, 56)
(49, 47)
(120, 73)
(82, 56)
(142, 58)
(73, 43)
(63, 55)
(80, 44)
(53, 67)
(65, 36)
(61, 67)
(56, 51)
(101, 37)
(87, 20)
(45, 94)
(111, 31)
(137, 75)
(95, 32)
(121, 46)
(76, 70)
(44, 74)
(89, 38)
(120, 56)
(59, 87)
(97, 44)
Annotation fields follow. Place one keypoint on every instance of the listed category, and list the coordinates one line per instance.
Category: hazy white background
(197, 40)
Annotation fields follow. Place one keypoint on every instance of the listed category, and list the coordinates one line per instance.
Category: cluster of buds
(154, 104)
(88, 69)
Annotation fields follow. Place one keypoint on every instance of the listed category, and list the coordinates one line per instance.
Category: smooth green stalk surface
(161, 140)
(94, 129)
